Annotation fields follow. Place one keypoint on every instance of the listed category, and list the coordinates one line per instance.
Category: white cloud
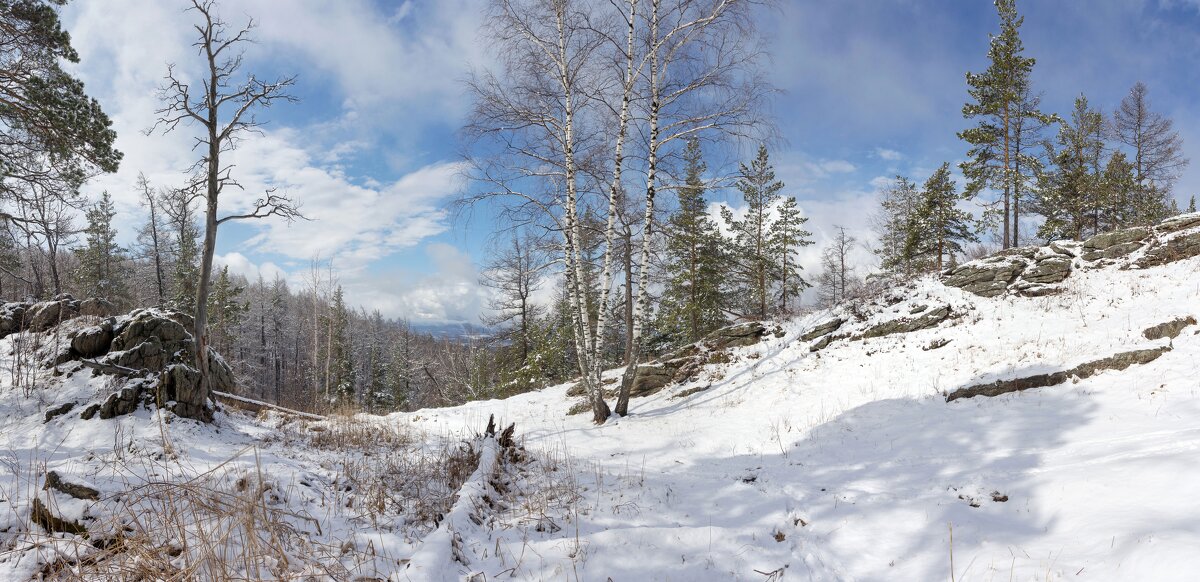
(239, 264)
(888, 155)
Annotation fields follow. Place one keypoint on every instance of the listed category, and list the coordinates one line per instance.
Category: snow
(842, 464)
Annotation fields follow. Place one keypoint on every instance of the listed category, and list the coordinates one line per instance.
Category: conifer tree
(343, 363)
(786, 235)
(1069, 194)
(181, 213)
(1117, 194)
(227, 311)
(692, 301)
(101, 261)
(937, 231)
(999, 97)
(897, 210)
(752, 260)
(1192, 204)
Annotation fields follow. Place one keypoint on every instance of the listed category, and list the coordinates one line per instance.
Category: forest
(601, 138)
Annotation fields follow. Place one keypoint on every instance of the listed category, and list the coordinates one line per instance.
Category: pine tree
(343, 381)
(691, 300)
(752, 263)
(1192, 204)
(936, 233)
(786, 234)
(1000, 95)
(101, 270)
(1069, 194)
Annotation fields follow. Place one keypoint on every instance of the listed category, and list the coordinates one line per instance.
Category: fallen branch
(257, 405)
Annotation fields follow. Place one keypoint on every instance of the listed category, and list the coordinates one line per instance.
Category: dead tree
(225, 111)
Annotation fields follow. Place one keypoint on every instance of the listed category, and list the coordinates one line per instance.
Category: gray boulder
(1048, 270)
(1176, 249)
(47, 314)
(987, 278)
(823, 329)
(93, 341)
(97, 307)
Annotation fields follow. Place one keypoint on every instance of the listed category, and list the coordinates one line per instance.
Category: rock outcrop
(151, 350)
(1170, 329)
(1116, 362)
(1035, 271)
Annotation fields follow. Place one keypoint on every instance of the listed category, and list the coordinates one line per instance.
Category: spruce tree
(937, 231)
(898, 209)
(343, 362)
(999, 97)
(1117, 194)
(692, 300)
(785, 236)
(752, 260)
(101, 261)
(227, 311)
(1192, 204)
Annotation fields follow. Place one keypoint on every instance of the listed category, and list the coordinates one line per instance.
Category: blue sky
(870, 88)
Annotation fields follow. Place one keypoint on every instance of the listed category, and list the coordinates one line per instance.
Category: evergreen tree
(227, 312)
(1069, 194)
(343, 363)
(786, 235)
(1000, 96)
(691, 300)
(185, 274)
(1117, 194)
(101, 261)
(1192, 204)
(936, 233)
(897, 211)
(403, 367)
(752, 262)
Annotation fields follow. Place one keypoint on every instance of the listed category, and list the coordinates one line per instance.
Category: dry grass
(237, 521)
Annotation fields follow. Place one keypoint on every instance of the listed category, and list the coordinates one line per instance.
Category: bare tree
(222, 87)
(1157, 148)
(547, 115)
(700, 80)
(150, 234)
(837, 280)
(514, 274)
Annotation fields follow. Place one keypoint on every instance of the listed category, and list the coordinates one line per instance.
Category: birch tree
(701, 80)
(546, 113)
(225, 109)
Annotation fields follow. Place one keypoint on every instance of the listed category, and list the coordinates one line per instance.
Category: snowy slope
(848, 464)
(782, 464)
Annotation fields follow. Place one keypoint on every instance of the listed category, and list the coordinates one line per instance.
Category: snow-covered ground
(842, 464)
(848, 464)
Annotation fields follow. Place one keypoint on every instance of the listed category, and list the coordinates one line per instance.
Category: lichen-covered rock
(93, 341)
(1178, 223)
(1169, 329)
(1098, 246)
(97, 307)
(12, 317)
(742, 334)
(823, 329)
(650, 379)
(47, 314)
(907, 325)
(1049, 270)
(987, 278)
(1176, 249)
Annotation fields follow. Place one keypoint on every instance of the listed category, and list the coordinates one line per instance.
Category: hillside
(827, 451)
